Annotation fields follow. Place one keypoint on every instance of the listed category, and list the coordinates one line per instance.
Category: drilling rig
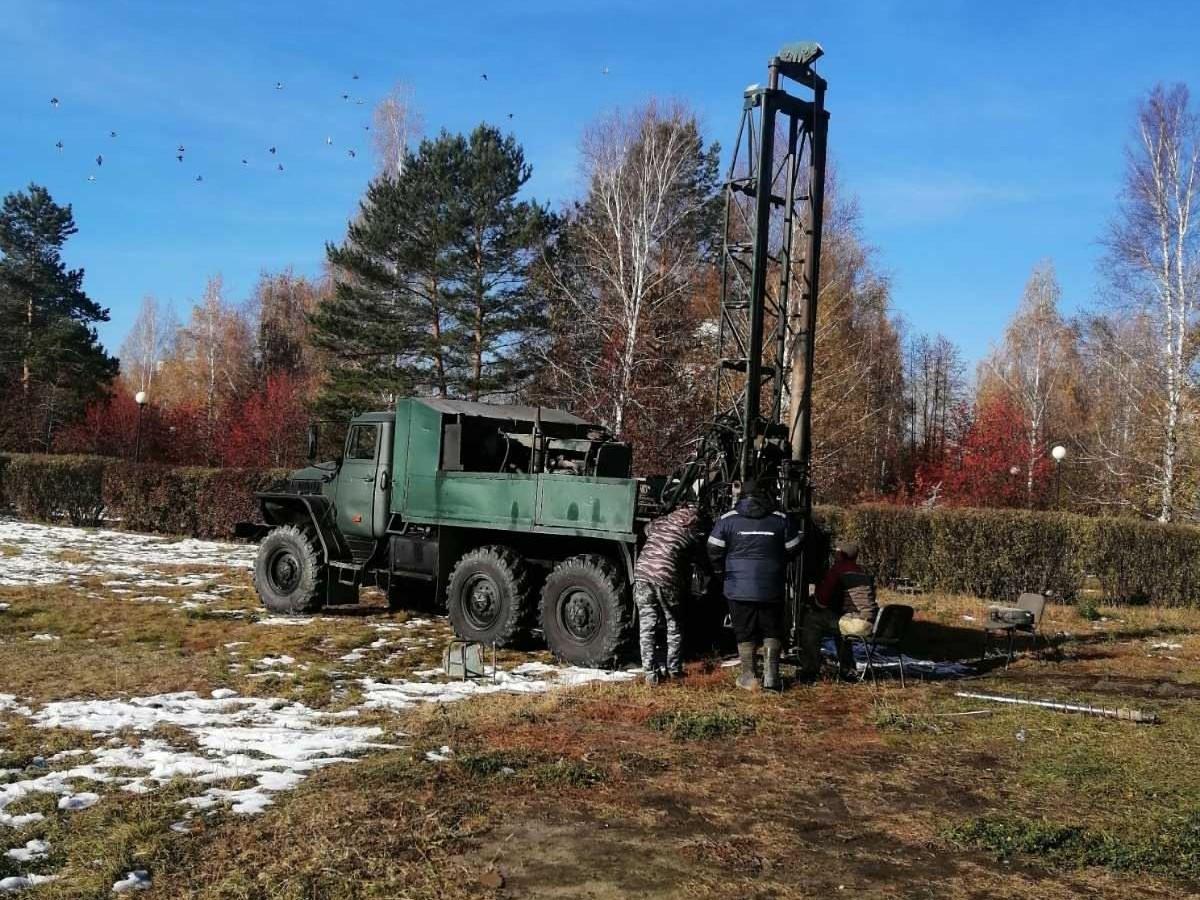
(770, 279)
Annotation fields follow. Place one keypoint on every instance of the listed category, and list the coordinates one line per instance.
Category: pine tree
(431, 290)
(499, 310)
(51, 361)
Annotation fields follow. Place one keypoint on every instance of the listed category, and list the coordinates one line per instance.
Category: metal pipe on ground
(1123, 714)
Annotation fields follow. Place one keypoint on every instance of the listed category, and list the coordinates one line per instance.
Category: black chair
(889, 630)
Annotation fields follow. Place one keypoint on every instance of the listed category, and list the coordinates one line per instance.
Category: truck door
(364, 480)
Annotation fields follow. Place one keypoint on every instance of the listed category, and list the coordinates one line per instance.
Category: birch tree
(146, 345)
(1153, 256)
(1034, 368)
(634, 250)
(397, 123)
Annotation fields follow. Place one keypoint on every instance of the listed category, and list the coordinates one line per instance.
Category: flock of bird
(180, 151)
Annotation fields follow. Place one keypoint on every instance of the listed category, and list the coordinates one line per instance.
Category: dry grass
(686, 790)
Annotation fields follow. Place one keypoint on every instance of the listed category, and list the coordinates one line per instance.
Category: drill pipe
(1125, 715)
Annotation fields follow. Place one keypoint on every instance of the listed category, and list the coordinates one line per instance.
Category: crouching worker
(844, 605)
(750, 546)
(660, 579)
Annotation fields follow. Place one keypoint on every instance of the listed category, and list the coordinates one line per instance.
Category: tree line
(451, 281)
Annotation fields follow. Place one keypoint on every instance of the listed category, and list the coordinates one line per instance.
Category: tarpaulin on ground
(888, 660)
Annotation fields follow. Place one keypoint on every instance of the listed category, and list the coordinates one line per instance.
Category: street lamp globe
(140, 398)
(1059, 452)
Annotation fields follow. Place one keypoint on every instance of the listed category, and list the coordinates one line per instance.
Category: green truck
(521, 517)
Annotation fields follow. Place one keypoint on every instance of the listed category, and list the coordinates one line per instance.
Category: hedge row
(997, 553)
(87, 490)
(989, 553)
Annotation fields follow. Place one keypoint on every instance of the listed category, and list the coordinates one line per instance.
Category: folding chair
(1034, 605)
(891, 625)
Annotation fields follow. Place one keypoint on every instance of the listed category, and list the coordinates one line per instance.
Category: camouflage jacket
(671, 542)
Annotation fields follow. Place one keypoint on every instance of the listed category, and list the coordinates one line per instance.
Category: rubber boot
(771, 651)
(748, 681)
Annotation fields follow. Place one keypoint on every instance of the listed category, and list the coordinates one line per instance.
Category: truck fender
(307, 509)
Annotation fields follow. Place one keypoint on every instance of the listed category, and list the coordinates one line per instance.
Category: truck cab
(523, 518)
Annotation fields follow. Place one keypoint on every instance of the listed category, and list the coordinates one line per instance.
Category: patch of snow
(223, 693)
(55, 554)
(271, 662)
(529, 678)
(75, 802)
(285, 620)
(8, 702)
(137, 880)
(275, 742)
(440, 755)
(354, 656)
(1163, 645)
(4, 606)
(22, 882)
(32, 850)
(45, 637)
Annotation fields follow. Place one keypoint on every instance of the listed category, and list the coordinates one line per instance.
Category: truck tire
(288, 573)
(587, 617)
(488, 597)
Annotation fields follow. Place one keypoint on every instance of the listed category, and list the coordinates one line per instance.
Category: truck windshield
(363, 439)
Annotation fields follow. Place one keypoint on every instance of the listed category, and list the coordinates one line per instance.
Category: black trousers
(755, 622)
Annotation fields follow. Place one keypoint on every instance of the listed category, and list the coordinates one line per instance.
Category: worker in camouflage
(660, 579)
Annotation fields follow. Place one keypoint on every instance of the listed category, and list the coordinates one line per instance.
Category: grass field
(333, 762)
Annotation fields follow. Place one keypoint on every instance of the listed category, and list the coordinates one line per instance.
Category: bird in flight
(199, 177)
(112, 134)
(366, 128)
(59, 145)
(245, 162)
(54, 102)
(271, 151)
(345, 96)
(91, 178)
(510, 115)
(99, 160)
(179, 156)
(354, 77)
(359, 102)
(328, 141)
(483, 75)
(352, 154)
(281, 167)
(279, 85)
(604, 71)
(179, 149)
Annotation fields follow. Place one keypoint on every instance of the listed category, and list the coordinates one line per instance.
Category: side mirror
(312, 441)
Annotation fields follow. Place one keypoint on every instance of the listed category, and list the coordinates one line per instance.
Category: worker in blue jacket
(750, 547)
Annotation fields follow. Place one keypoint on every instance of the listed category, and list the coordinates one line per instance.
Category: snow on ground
(265, 745)
(53, 554)
(274, 742)
(528, 678)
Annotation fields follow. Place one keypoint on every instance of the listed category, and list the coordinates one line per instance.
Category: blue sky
(978, 137)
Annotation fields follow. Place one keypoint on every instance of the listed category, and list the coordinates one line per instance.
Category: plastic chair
(1035, 605)
(890, 627)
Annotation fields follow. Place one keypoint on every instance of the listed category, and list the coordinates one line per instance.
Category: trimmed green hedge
(991, 553)
(88, 489)
(998, 553)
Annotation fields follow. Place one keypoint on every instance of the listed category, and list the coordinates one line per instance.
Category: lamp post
(140, 399)
(1059, 453)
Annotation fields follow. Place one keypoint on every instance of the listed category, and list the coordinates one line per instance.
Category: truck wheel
(288, 573)
(488, 597)
(586, 616)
